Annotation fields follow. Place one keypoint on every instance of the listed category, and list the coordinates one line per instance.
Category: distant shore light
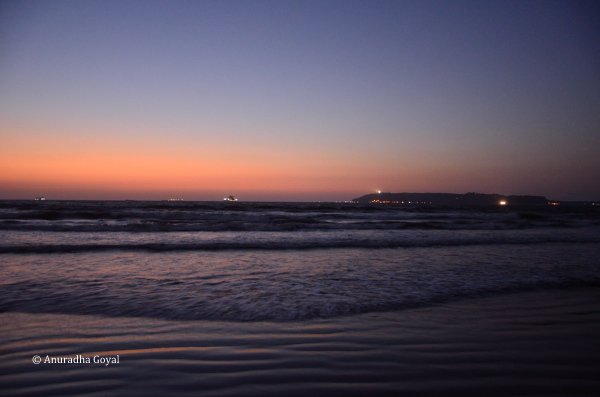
(378, 191)
(502, 202)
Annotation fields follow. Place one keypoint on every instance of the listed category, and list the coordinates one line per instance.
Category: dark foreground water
(542, 343)
(333, 299)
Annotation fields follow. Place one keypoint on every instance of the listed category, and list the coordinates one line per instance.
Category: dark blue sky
(299, 99)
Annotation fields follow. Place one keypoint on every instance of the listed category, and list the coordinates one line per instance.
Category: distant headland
(464, 200)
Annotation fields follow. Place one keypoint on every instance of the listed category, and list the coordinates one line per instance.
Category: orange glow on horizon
(71, 161)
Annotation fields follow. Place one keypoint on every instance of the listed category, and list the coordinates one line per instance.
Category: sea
(213, 284)
(278, 261)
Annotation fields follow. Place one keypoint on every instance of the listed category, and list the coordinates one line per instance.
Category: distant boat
(230, 198)
(40, 198)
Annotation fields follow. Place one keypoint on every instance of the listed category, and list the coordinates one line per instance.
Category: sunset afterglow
(277, 103)
(299, 197)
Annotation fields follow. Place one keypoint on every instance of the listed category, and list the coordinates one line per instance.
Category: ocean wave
(40, 299)
(167, 217)
(282, 285)
(299, 244)
(284, 224)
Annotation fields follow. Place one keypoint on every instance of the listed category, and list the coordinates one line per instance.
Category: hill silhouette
(452, 199)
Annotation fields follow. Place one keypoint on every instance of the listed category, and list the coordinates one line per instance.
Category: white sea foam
(284, 285)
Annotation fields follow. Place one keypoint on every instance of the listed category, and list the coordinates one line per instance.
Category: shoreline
(523, 343)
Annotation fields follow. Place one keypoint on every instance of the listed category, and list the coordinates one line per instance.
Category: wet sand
(538, 343)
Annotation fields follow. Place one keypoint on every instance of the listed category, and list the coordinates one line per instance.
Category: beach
(255, 299)
(299, 198)
(538, 343)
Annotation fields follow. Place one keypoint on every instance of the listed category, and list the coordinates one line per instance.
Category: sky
(298, 100)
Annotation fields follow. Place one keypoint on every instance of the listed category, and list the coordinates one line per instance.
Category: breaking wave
(285, 286)
(106, 216)
(300, 244)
